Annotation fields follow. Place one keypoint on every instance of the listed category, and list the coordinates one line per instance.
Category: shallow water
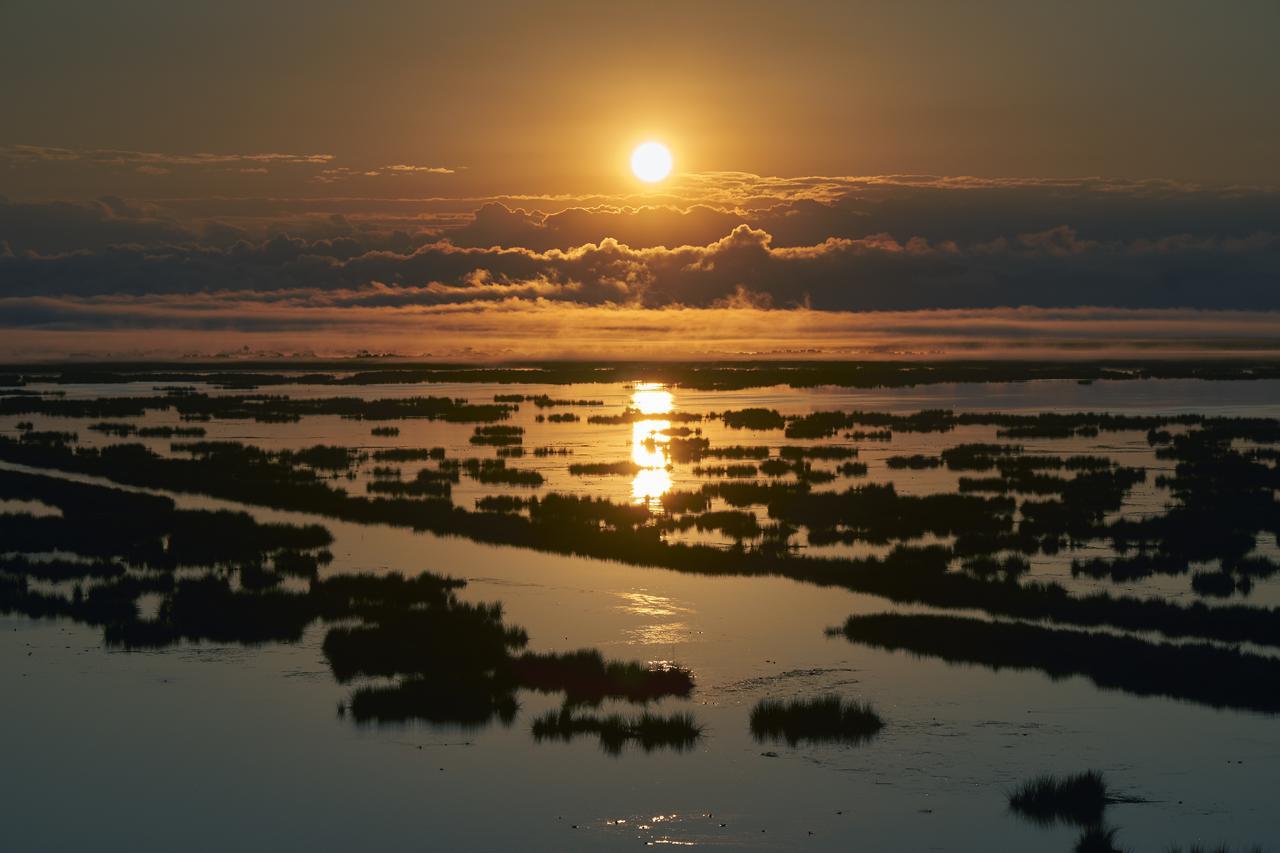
(208, 747)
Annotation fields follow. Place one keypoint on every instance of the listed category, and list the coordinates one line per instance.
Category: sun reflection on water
(650, 485)
(651, 398)
(649, 444)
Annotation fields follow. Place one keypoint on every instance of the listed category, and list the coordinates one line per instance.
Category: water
(211, 747)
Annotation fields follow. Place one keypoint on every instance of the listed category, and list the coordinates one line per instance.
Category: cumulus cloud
(1051, 268)
(722, 259)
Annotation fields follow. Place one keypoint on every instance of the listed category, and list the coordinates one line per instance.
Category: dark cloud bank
(889, 244)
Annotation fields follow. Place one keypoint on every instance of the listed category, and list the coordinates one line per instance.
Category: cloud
(403, 168)
(121, 157)
(1051, 268)
(890, 243)
(798, 212)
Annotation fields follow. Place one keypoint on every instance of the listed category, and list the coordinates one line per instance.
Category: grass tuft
(1078, 799)
(827, 718)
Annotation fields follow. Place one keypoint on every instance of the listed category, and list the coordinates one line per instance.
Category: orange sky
(328, 176)
(549, 97)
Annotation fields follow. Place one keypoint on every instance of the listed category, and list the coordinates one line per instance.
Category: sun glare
(651, 398)
(651, 162)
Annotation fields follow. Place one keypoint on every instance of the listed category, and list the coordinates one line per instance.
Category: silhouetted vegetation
(648, 731)
(703, 375)
(626, 468)
(407, 454)
(828, 718)
(448, 660)
(736, 452)
(497, 435)
(1079, 799)
(586, 678)
(916, 462)
(1211, 675)
(762, 419)
(732, 471)
(1209, 521)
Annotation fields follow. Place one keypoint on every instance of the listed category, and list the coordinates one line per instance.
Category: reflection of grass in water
(648, 731)
(464, 699)
(827, 718)
(1097, 839)
(1210, 674)
(1077, 799)
(449, 660)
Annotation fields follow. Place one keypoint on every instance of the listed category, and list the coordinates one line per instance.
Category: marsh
(701, 589)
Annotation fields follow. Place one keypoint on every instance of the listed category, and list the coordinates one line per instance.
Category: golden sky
(333, 171)
(549, 97)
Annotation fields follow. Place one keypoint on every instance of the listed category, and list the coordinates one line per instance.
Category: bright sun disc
(651, 162)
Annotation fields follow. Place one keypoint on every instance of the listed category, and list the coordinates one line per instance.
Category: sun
(651, 162)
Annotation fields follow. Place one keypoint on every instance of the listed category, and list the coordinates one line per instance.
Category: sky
(330, 173)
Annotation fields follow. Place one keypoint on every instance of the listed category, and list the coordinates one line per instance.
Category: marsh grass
(1213, 675)
(626, 468)
(585, 677)
(824, 719)
(1078, 799)
(678, 732)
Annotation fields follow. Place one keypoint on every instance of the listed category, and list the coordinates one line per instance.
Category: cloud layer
(724, 242)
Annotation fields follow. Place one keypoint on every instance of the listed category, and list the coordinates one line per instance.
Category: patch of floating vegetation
(1076, 799)
(408, 454)
(585, 677)
(543, 401)
(916, 462)
(626, 468)
(759, 419)
(115, 428)
(648, 731)
(631, 415)
(1213, 675)
(496, 472)
(869, 435)
(733, 471)
(247, 582)
(824, 719)
(497, 435)
(552, 451)
(819, 451)
(733, 523)
(264, 408)
(736, 451)
(1223, 500)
